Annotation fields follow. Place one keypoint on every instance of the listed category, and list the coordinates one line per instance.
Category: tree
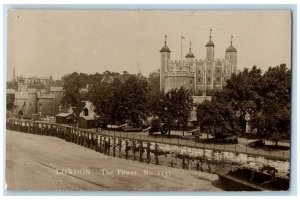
(273, 120)
(72, 84)
(241, 92)
(101, 95)
(174, 107)
(129, 102)
(217, 119)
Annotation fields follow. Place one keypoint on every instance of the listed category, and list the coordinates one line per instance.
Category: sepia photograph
(148, 100)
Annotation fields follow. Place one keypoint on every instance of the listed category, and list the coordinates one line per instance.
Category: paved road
(36, 162)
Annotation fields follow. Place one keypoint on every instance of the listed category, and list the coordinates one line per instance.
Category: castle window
(209, 71)
(85, 112)
(208, 79)
(40, 104)
(199, 79)
(191, 82)
(30, 104)
(218, 70)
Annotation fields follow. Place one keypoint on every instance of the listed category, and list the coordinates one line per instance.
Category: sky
(58, 42)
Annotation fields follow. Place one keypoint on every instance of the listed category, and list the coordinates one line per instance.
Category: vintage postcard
(148, 100)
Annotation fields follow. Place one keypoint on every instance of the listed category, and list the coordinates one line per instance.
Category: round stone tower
(165, 57)
(210, 48)
(231, 57)
(190, 55)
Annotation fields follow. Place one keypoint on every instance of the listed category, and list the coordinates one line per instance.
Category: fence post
(84, 139)
(133, 149)
(126, 149)
(108, 146)
(120, 147)
(155, 154)
(103, 145)
(183, 163)
(141, 151)
(148, 152)
(114, 147)
(100, 145)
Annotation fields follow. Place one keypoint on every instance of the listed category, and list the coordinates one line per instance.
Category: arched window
(85, 112)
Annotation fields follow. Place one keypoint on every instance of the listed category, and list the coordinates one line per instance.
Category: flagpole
(181, 48)
(182, 38)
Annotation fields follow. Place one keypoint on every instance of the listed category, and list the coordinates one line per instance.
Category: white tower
(165, 57)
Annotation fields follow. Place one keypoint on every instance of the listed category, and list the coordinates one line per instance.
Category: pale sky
(49, 42)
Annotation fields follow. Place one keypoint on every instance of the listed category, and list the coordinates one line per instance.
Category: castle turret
(190, 55)
(165, 57)
(231, 57)
(210, 48)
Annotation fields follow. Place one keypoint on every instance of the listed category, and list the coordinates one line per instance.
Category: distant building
(155, 74)
(110, 77)
(34, 80)
(10, 95)
(88, 117)
(197, 75)
(10, 99)
(65, 118)
(30, 101)
(88, 109)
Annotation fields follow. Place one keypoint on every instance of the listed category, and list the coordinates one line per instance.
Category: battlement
(178, 61)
